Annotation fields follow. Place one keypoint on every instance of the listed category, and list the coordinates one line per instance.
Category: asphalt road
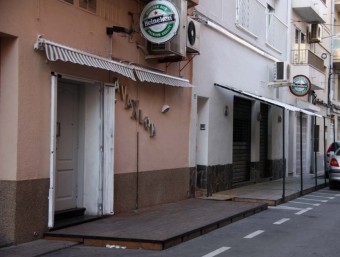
(304, 227)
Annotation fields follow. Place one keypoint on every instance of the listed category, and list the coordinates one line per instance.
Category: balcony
(309, 64)
(311, 11)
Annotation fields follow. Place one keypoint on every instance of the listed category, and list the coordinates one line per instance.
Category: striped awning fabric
(156, 77)
(64, 53)
(55, 51)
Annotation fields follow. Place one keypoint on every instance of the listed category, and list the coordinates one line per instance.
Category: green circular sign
(301, 85)
(159, 21)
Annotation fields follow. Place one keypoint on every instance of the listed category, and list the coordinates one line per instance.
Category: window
(300, 48)
(250, 16)
(90, 5)
(316, 138)
(276, 31)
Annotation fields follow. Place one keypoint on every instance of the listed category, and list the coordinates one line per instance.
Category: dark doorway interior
(241, 140)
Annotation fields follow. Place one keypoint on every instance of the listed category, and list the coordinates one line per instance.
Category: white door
(66, 143)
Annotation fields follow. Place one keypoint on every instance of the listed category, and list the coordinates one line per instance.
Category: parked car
(334, 171)
(330, 152)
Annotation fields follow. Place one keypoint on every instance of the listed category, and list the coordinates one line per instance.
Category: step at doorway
(71, 217)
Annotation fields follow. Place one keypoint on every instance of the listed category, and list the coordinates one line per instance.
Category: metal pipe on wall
(301, 165)
(284, 155)
(315, 156)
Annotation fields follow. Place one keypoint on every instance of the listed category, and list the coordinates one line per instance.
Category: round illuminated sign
(301, 85)
(159, 21)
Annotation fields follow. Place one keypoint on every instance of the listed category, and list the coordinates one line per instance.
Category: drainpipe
(324, 147)
(315, 157)
(329, 103)
(284, 154)
(301, 164)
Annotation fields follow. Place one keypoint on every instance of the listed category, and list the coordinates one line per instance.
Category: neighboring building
(84, 113)
(311, 30)
(245, 110)
(335, 85)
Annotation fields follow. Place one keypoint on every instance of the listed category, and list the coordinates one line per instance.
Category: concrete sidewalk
(166, 225)
(271, 192)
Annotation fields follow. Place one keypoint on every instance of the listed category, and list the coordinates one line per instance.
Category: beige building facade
(88, 118)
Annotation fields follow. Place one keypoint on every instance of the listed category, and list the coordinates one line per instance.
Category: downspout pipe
(329, 102)
(301, 163)
(284, 154)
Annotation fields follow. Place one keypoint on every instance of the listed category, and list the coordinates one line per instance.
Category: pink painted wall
(25, 137)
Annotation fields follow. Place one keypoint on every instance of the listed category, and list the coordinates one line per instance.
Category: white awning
(156, 77)
(64, 53)
(55, 51)
(269, 101)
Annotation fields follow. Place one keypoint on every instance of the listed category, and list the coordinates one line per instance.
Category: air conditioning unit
(281, 71)
(177, 45)
(315, 33)
(193, 36)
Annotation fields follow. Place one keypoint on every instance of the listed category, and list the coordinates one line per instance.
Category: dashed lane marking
(321, 193)
(319, 196)
(254, 234)
(217, 252)
(314, 200)
(281, 221)
(314, 204)
(303, 211)
(284, 207)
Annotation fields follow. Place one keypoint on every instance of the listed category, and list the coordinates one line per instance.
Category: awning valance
(156, 77)
(55, 51)
(269, 101)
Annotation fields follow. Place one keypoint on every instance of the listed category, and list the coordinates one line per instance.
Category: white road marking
(319, 196)
(279, 222)
(314, 204)
(217, 252)
(283, 207)
(328, 193)
(315, 200)
(254, 234)
(303, 211)
(321, 193)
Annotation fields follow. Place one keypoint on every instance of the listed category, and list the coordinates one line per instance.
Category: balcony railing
(308, 58)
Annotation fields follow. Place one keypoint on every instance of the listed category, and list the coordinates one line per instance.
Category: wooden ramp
(159, 227)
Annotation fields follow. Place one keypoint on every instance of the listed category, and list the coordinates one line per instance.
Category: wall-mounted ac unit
(193, 36)
(281, 71)
(177, 45)
(314, 33)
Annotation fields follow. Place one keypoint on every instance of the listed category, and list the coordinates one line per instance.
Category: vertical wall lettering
(136, 112)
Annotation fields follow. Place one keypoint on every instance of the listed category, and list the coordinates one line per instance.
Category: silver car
(330, 152)
(334, 171)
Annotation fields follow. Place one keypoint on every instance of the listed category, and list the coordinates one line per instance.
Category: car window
(337, 153)
(337, 145)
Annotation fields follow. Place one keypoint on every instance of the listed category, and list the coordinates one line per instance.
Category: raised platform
(159, 227)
